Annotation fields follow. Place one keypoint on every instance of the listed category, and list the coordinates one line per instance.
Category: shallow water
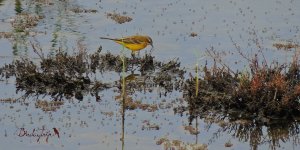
(89, 124)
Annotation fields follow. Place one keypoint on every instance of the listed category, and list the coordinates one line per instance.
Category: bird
(133, 43)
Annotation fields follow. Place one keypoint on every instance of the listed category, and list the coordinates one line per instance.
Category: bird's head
(149, 41)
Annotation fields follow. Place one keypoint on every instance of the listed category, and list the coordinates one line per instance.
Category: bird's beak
(151, 44)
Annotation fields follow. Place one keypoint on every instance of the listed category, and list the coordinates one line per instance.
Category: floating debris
(177, 144)
(148, 126)
(109, 114)
(118, 18)
(191, 130)
(193, 34)
(82, 10)
(13, 36)
(6, 35)
(286, 46)
(8, 100)
(228, 144)
(161, 141)
(131, 104)
(48, 106)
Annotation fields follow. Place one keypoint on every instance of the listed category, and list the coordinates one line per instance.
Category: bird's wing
(130, 40)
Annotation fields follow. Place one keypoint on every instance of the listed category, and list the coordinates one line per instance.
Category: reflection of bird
(131, 77)
(134, 43)
(56, 132)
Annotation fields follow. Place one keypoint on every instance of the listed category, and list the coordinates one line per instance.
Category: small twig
(275, 95)
(256, 41)
(37, 50)
(217, 58)
(238, 49)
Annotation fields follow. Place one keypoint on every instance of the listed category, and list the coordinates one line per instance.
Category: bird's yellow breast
(134, 47)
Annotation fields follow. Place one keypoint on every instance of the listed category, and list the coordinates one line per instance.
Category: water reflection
(1, 2)
(58, 28)
(65, 27)
(18, 6)
(20, 39)
(272, 133)
(124, 96)
(20, 43)
(24, 24)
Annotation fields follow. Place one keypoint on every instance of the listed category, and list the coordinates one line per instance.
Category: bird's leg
(133, 59)
(133, 54)
(139, 53)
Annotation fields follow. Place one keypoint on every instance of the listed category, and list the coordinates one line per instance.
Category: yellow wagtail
(133, 43)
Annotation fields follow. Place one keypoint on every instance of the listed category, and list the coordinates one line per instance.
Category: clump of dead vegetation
(60, 76)
(170, 76)
(64, 76)
(118, 18)
(266, 90)
(110, 62)
(23, 21)
(167, 75)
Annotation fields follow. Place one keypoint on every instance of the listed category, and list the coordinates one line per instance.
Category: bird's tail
(107, 38)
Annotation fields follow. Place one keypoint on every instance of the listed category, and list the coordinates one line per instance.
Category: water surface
(89, 124)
